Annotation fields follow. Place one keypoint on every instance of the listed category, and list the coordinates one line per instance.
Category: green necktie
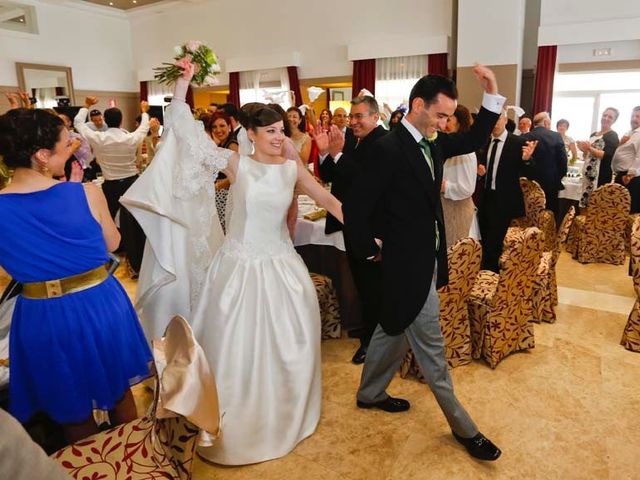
(426, 151)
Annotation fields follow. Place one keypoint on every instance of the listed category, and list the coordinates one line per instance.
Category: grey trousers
(424, 336)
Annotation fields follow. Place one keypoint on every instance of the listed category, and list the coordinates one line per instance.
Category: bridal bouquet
(196, 52)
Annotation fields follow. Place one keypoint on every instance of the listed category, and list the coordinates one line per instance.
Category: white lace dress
(258, 322)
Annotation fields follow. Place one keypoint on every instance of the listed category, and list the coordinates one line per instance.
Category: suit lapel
(417, 161)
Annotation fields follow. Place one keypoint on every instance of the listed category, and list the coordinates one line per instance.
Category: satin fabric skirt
(258, 322)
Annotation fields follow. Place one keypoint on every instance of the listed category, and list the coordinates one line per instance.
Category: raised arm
(79, 122)
(140, 133)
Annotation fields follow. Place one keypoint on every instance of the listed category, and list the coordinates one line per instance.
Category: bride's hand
(188, 69)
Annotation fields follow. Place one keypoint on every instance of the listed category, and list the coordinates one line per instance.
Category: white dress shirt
(499, 146)
(116, 148)
(627, 155)
(459, 174)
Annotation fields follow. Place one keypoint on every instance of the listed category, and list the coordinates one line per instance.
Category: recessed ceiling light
(135, 1)
(111, 4)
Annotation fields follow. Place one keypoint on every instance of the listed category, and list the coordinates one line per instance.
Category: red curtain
(545, 72)
(437, 64)
(364, 76)
(234, 89)
(294, 84)
(189, 98)
(144, 91)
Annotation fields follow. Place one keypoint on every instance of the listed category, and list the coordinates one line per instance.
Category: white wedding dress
(259, 324)
(248, 296)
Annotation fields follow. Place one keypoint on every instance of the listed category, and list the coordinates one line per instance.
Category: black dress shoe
(359, 356)
(390, 404)
(479, 447)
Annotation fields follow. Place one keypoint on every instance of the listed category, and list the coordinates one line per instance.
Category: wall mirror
(50, 85)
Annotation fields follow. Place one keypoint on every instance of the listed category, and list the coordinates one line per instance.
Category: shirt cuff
(493, 103)
(337, 157)
(321, 158)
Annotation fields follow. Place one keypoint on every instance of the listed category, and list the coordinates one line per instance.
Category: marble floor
(567, 409)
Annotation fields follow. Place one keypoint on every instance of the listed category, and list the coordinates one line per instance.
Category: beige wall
(471, 93)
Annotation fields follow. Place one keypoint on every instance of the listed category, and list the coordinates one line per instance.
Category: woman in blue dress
(75, 340)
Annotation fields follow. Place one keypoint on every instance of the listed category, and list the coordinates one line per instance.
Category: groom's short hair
(113, 117)
(428, 88)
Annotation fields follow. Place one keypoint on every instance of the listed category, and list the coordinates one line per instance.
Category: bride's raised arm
(322, 197)
(201, 160)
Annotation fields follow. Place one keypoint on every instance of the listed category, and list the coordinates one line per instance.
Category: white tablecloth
(312, 233)
(572, 189)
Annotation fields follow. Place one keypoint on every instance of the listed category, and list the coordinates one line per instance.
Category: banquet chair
(464, 264)
(545, 291)
(598, 235)
(631, 335)
(161, 444)
(535, 213)
(500, 306)
(329, 308)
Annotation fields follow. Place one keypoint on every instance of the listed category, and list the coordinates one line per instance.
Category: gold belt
(64, 286)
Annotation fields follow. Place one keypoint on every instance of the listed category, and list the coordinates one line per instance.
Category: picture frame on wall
(337, 96)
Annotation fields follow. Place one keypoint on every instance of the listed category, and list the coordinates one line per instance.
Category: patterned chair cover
(160, 445)
(598, 236)
(627, 232)
(464, 258)
(631, 335)
(535, 213)
(500, 306)
(329, 308)
(545, 292)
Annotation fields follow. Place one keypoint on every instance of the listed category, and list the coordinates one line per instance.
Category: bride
(255, 310)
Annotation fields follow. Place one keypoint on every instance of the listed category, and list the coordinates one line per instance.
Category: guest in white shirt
(115, 152)
(459, 182)
(626, 161)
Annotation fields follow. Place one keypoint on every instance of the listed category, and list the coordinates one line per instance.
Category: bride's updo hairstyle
(24, 131)
(254, 115)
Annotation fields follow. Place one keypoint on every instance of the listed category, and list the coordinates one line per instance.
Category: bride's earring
(253, 147)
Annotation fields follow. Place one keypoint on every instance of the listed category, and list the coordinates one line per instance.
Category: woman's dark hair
(396, 113)
(562, 121)
(329, 112)
(260, 115)
(285, 120)
(463, 116)
(24, 131)
(246, 111)
(302, 125)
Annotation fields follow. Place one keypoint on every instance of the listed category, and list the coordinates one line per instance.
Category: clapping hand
(583, 145)
(144, 106)
(336, 141)
(321, 138)
(26, 101)
(528, 149)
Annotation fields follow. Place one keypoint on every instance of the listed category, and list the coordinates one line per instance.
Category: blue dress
(81, 351)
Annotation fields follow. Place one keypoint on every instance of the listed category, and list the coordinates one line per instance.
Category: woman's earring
(253, 147)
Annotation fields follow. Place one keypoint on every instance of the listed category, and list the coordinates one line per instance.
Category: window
(395, 77)
(582, 97)
(157, 92)
(18, 17)
(265, 86)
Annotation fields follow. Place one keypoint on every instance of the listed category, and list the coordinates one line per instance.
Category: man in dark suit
(550, 159)
(505, 160)
(393, 216)
(341, 161)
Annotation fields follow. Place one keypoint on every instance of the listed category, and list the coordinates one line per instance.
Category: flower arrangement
(196, 52)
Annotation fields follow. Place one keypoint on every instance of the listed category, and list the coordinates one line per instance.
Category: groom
(399, 193)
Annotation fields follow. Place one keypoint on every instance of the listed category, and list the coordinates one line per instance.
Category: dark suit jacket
(342, 174)
(510, 168)
(396, 199)
(549, 163)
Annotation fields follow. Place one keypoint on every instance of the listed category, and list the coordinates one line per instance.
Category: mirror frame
(20, 67)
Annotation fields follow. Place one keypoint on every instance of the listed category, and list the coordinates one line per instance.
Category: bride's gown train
(259, 324)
